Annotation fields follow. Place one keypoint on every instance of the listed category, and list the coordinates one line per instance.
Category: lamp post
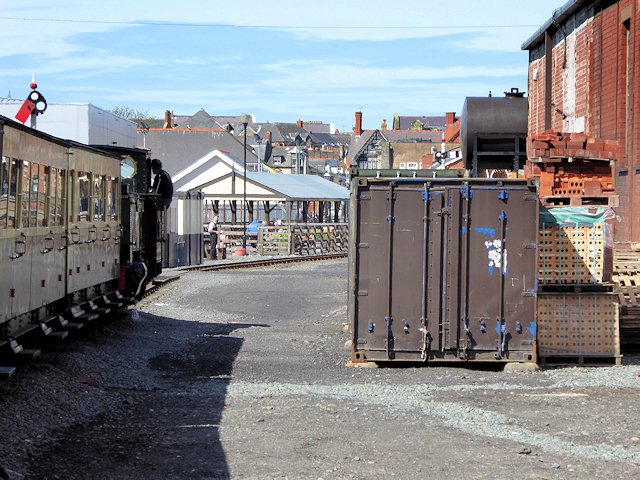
(245, 120)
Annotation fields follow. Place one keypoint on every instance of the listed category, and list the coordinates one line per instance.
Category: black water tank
(487, 117)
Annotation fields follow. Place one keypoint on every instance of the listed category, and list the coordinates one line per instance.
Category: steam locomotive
(80, 236)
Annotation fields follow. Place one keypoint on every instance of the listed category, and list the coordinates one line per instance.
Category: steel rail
(262, 263)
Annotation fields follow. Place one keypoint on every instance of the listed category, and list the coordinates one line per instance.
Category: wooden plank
(630, 290)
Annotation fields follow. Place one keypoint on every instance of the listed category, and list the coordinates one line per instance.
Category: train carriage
(62, 240)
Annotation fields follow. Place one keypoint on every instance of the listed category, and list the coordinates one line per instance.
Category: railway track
(262, 263)
(11, 358)
(162, 280)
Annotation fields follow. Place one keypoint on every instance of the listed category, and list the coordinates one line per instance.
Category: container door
(407, 265)
(437, 331)
(371, 286)
(391, 271)
(501, 266)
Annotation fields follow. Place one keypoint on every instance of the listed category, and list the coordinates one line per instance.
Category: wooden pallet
(580, 201)
(579, 360)
(578, 325)
(626, 272)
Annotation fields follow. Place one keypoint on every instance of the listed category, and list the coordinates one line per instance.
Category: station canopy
(219, 176)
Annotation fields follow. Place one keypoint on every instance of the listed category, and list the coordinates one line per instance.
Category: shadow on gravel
(168, 431)
(482, 366)
(211, 355)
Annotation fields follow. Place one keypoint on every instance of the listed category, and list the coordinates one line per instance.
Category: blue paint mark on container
(532, 329)
(491, 232)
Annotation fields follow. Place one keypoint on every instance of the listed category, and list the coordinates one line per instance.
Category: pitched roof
(316, 127)
(201, 120)
(205, 169)
(331, 140)
(178, 148)
(436, 122)
(412, 136)
(358, 142)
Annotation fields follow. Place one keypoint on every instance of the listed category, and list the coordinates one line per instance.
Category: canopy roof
(219, 175)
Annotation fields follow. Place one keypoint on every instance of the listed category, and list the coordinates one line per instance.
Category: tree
(130, 113)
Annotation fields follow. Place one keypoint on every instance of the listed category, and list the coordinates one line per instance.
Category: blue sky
(280, 60)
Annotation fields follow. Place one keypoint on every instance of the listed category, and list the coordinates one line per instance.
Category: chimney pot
(358, 129)
(451, 118)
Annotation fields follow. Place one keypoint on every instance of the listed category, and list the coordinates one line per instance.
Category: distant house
(400, 149)
(197, 136)
(418, 123)
(283, 159)
(277, 145)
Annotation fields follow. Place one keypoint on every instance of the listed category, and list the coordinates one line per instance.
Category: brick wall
(591, 90)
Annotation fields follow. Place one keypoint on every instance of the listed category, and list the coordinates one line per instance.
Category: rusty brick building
(584, 77)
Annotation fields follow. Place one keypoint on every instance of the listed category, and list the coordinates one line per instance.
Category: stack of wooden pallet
(571, 254)
(626, 272)
(578, 320)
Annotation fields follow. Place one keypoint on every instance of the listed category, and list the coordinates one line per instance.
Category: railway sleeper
(12, 353)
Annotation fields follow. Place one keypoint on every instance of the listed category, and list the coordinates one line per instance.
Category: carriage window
(25, 190)
(112, 198)
(51, 197)
(33, 194)
(84, 186)
(14, 168)
(98, 197)
(4, 195)
(73, 194)
(39, 202)
(61, 197)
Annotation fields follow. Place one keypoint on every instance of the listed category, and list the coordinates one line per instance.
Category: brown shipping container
(443, 269)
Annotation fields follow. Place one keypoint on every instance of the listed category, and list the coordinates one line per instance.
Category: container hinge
(529, 245)
(365, 197)
(530, 198)
(363, 293)
(363, 245)
(528, 293)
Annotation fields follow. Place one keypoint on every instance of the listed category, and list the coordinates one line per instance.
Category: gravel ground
(242, 374)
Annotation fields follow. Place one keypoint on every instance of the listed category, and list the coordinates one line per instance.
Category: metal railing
(305, 239)
(320, 238)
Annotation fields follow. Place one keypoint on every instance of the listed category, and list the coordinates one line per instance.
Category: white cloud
(312, 75)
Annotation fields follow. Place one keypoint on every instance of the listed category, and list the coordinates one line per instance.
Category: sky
(280, 60)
